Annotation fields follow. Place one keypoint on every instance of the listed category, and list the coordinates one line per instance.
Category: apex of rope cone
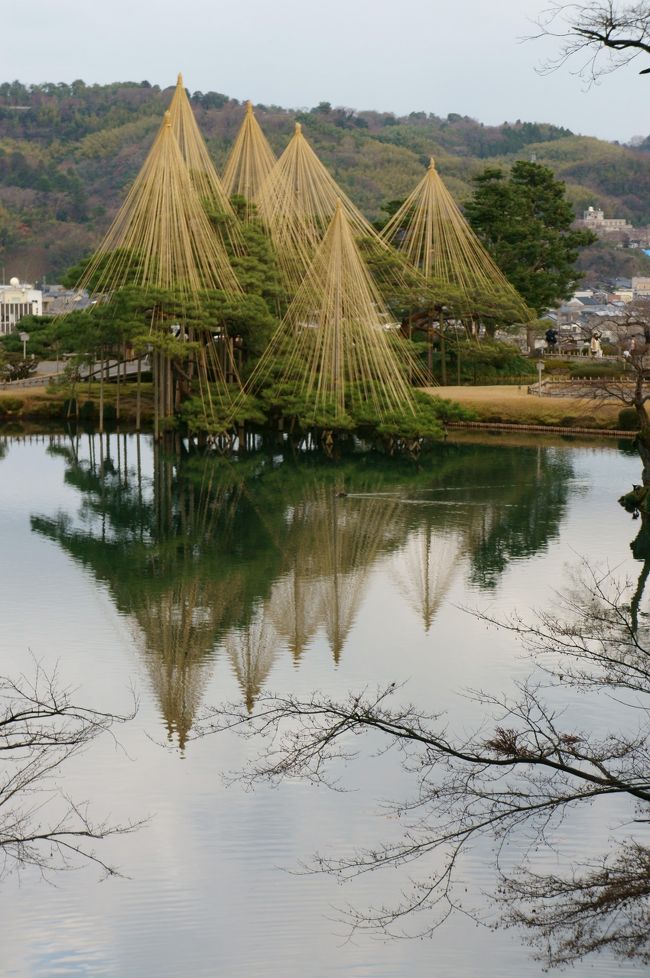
(432, 163)
(298, 128)
(249, 107)
(179, 80)
(168, 119)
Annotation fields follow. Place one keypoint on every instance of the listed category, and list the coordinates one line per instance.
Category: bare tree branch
(514, 780)
(599, 37)
(41, 727)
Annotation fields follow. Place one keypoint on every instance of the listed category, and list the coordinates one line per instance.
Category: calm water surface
(196, 582)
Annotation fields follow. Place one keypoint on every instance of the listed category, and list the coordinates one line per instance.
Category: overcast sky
(440, 56)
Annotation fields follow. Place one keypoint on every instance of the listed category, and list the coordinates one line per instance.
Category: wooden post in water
(101, 391)
(138, 396)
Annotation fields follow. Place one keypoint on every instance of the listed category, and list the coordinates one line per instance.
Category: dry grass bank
(514, 405)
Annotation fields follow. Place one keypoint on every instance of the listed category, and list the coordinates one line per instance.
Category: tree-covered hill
(69, 152)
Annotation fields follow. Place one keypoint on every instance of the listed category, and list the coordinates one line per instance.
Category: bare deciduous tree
(41, 727)
(514, 781)
(598, 37)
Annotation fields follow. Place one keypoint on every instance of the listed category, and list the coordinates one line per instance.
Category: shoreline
(497, 408)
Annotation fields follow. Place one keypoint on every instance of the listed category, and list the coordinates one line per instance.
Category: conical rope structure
(203, 175)
(161, 237)
(250, 161)
(334, 343)
(433, 234)
(297, 203)
(162, 240)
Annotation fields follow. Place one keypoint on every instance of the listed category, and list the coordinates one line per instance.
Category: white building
(641, 285)
(16, 301)
(595, 219)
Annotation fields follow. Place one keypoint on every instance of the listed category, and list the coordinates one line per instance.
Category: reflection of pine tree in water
(427, 569)
(524, 503)
(178, 629)
(203, 553)
(149, 540)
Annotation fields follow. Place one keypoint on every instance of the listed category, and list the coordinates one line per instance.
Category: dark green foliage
(628, 420)
(10, 405)
(485, 361)
(524, 219)
(590, 369)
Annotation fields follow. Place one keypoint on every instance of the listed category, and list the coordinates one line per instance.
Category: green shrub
(46, 409)
(10, 405)
(88, 411)
(628, 420)
(594, 370)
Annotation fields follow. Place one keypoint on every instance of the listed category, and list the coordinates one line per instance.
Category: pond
(192, 582)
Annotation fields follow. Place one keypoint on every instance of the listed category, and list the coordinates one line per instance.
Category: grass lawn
(514, 405)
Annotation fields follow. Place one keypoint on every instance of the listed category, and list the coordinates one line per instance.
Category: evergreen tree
(525, 221)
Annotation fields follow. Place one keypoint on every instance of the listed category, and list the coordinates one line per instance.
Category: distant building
(58, 300)
(18, 300)
(595, 219)
(641, 285)
(614, 229)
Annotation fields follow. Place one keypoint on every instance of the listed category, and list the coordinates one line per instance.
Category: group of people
(595, 348)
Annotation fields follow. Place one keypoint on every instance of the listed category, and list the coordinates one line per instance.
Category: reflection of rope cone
(252, 650)
(347, 536)
(294, 610)
(179, 629)
(430, 563)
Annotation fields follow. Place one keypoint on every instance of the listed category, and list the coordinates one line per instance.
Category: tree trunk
(642, 443)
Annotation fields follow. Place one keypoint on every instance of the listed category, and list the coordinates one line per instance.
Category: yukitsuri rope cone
(203, 175)
(162, 240)
(334, 340)
(297, 203)
(250, 162)
(161, 237)
(435, 237)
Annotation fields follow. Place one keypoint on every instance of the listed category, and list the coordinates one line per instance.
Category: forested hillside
(69, 152)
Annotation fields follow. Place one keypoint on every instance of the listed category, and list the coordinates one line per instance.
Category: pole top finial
(432, 163)
(249, 107)
(298, 128)
(179, 80)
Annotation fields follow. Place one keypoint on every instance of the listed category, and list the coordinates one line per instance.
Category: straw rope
(297, 203)
(161, 237)
(431, 231)
(203, 175)
(334, 338)
(250, 162)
